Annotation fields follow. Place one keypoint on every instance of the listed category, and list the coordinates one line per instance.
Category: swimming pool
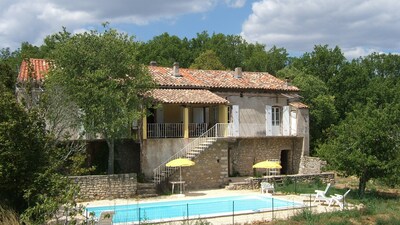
(193, 208)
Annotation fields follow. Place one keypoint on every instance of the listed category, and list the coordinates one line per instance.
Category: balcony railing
(174, 130)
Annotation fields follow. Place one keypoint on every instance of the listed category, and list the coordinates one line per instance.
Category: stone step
(145, 185)
(147, 195)
(146, 190)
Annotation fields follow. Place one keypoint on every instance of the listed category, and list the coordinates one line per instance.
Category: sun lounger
(339, 199)
(321, 195)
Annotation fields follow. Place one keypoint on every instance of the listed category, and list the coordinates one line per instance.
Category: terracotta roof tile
(186, 96)
(299, 105)
(39, 69)
(218, 79)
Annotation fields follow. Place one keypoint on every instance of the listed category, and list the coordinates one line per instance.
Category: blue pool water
(192, 208)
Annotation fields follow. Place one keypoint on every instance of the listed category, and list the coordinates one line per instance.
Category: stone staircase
(192, 150)
(146, 190)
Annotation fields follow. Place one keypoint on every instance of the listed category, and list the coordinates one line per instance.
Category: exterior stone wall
(210, 170)
(100, 187)
(311, 165)
(254, 183)
(244, 153)
(156, 151)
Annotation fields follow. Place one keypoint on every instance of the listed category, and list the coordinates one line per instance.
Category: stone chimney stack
(153, 63)
(238, 72)
(176, 69)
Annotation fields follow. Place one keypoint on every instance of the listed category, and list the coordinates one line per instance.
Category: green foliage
(315, 93)
(367, 140)
(207, 60)
(323, 62)
(29, 181)
(165, 50)
(100, 74)
(52, 196)
(23, 150)
(7, 76)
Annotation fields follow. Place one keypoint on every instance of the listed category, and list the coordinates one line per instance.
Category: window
(276, 116)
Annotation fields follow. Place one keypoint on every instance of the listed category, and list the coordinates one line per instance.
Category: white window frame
(276, 116)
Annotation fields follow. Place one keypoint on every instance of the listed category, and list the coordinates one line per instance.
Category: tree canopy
(99, 71)
(207, 60)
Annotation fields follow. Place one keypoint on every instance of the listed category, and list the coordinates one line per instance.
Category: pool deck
(238, 219)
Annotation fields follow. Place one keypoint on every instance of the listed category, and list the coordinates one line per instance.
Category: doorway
(285, 161)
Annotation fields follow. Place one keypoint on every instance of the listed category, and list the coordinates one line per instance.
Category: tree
(207, 60)
(165, 50)
(365, 144)
(7, 76)
(259, 60)
(101, 74)
(316, 95)
(323, 62)
(22, 150)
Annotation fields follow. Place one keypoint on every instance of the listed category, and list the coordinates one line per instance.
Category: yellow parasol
(180, 162)
(267, 165)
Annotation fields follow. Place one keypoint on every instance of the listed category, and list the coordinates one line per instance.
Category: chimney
(287, 82)
(238, 72)
(153, 63)
(176, 69)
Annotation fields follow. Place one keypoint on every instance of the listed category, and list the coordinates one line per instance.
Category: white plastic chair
(266, 187)
(321, 195)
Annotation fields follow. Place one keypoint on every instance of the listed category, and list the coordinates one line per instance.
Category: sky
(358, 27)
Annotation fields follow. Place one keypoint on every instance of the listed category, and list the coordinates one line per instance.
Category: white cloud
(235, 3)
(362, 26)
(356, 52)
(32, 20)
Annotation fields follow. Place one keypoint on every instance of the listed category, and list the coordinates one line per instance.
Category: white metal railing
(197, 129)
(164, 130)
(174, 130)
(193, 149)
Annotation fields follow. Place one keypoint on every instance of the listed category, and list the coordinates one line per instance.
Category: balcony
(174, 130)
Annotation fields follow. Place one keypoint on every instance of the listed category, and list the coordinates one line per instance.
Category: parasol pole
(180, 178)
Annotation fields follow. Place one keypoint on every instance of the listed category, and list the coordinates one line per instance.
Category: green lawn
(381, 204)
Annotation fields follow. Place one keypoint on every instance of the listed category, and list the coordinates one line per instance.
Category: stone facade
(210, 170)
(244, 153)
(100, 187)
(311, 165)
(228, 156)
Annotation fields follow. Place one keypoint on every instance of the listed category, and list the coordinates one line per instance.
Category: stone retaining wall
(254, 182)
(311, 165)
(100, 187)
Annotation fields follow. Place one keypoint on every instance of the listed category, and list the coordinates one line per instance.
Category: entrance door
(284, 161)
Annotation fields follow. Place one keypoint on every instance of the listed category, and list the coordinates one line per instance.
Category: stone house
(225, 121)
